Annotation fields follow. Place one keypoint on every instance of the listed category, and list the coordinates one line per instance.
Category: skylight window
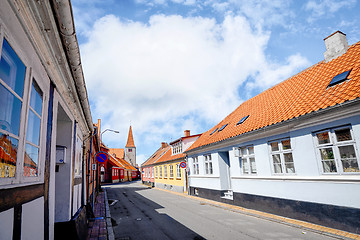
(222, 127)
(214, 131)
(242, 120)
(339, 78)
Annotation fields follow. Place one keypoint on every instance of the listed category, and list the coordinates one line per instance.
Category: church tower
(130, 149)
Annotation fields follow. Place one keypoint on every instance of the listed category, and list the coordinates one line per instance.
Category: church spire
(130, 141)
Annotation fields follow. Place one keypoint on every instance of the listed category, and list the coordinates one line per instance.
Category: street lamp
(115, 131)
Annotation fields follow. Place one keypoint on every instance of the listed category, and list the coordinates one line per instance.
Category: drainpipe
(65, 21)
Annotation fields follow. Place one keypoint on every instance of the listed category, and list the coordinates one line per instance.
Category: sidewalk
(101, 228)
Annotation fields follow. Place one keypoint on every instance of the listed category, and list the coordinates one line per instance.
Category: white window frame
(30, 76)
(178, 171)
(160, 172)
(335, 146)
(165, 171)
(208, 165)
(171, 169)
(152, 172)
(246, 166)
(195, 166)
(156, 172)
(282, 152)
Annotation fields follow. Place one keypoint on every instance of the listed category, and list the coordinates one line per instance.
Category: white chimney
(336, 45)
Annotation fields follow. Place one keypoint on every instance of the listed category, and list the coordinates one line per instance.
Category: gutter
(64, 17)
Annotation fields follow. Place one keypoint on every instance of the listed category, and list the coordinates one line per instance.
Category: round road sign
(101, 157)
(183, 164)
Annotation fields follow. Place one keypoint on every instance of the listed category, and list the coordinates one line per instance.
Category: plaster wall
(7, 222)
(33, 220)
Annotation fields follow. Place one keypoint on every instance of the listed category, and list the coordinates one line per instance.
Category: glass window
(196, 165)
(12, 69)
(31, 161)
(247, 160)
(165, 171)
(339, 155)
(171, 171)
(178, 171)
(323, 138)
(282, 158)
(8, 154)
(10, 111)
(208, 165)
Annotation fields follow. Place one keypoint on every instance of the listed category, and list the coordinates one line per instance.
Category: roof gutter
(65, 20)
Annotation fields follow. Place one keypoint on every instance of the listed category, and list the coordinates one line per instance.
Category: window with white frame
(177, 148)
(337, 151)
(160, 171)
(281, 156)
(196, 165)
(152, 172)
(165, 171)
(20, 95)
(171, 167)
(156, 171)
(178, 171)
(208, 164)
(248, 164)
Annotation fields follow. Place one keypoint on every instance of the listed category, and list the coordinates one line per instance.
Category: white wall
(32, 226)
(6, 224)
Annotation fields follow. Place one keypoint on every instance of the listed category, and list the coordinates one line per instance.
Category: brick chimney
(163, 145)
(336, 45)
(187, 133)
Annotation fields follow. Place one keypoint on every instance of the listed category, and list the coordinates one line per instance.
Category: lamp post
(115, 131)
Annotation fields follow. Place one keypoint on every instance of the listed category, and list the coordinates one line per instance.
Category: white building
(292, 150)
(44, 119)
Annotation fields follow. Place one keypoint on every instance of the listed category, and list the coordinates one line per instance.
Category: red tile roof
(119, 152)
(301, 94)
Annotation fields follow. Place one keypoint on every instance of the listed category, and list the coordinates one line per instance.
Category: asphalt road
(139, 212)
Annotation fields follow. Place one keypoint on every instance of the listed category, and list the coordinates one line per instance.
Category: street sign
(101, 157)
(183, 164)
(93, 166)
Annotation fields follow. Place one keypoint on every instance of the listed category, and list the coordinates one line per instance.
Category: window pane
(286, 144)
(252, 165)
(245, 166)
(350, 165)
(210, 168)
(277, 168)
(31, 161)
(348, 158)
(276, 158)
(274, 146)
(10, 110)
(288, 158)
(8, 153)
(12, 69)
(326, 153)
(36, 98)
(33, 128)
(251, 150)
(343, 135)
(329, 166)
(206, 168)
(289, 163)
(243, 151)
(277, 163)
(323, 137)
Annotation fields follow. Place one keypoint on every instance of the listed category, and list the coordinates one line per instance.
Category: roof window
(222, 127)
(242, 120)
(214, 131)
(339, 78)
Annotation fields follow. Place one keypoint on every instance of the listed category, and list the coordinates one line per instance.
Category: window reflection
(12, 69)
(33, 128)
(31, 161)
(8, 153)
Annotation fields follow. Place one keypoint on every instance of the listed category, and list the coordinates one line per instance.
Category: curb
(336, 233)
(110, 230)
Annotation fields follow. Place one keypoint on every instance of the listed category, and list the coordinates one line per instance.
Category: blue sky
(170, 65)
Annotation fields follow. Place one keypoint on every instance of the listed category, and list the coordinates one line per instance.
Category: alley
(139, 212)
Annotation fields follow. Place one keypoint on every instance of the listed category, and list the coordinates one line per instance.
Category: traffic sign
(101, 157)
(183, 164)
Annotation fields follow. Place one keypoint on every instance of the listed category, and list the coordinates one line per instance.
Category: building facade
(46, 132)
(292, 150)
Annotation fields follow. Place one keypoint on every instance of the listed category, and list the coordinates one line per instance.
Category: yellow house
(170, 171)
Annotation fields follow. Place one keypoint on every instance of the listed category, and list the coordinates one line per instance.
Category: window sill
(204, 176)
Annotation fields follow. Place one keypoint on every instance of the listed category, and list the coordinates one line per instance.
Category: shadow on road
(136, 217)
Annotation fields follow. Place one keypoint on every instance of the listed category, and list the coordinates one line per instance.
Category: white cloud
(173, 73)
(321, 8)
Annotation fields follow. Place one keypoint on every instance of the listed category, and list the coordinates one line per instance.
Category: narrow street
(139, 212)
